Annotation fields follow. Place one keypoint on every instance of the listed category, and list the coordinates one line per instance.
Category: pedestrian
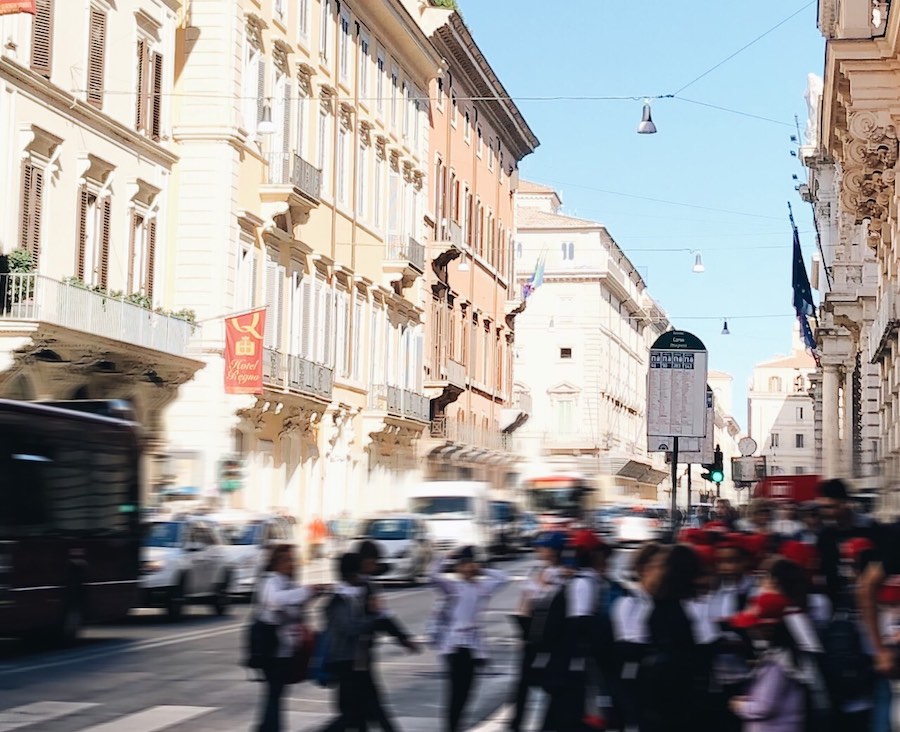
(543, 580)
(759, 517)
(349, 624)
(384, 622)
(630, 615)
(774, 701)
(462, 644)
(279, 602)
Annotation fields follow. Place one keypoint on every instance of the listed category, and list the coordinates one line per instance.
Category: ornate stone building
(852, 152)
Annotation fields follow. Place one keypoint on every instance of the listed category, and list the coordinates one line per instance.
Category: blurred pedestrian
(279, 602)
(462, 643)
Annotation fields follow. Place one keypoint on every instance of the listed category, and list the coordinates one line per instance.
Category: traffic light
(230, 475)
(715, 471)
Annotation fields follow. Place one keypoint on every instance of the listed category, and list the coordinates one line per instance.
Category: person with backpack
(542, 583)
(279, 607)
(774, 701)
(461, 643)
(349, 624)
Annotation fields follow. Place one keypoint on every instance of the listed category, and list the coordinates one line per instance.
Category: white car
(247, 541)
(635, 525)
(405, 546)
(183, 561)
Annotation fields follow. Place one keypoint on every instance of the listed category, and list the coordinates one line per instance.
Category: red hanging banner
(8, 7)
(244, 352)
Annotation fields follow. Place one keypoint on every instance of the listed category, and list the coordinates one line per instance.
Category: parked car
(247, 541)
(530, 528)
(639, 524)
(605, 518)
(406, 548)
(505, 529)
(183, 560)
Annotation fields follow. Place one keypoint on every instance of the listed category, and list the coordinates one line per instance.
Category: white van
(457, 512)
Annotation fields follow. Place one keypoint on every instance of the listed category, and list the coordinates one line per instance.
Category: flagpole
(236, 313)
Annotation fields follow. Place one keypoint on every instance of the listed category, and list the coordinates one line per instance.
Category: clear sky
(731, 172)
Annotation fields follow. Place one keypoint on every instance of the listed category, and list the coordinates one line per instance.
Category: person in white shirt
(279, 602)
(462, 644)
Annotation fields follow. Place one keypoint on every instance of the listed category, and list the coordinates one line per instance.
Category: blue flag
(803, 299)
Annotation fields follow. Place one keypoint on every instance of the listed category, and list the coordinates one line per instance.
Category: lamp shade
(646, 126)
(266, 126)
(698, 267)
(464, 265)
(725, 330)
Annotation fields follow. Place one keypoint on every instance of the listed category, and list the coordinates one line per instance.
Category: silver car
(405, 545)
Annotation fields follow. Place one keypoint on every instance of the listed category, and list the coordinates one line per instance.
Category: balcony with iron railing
(470, 435)
(287, 169)
(406, 249)
(522, 401)
(398, 402)
(288, 373)
(36, 298)
(885, 326)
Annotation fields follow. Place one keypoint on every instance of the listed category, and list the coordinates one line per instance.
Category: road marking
(150, 720)
(38, 713)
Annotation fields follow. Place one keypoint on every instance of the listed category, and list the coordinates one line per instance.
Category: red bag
(303, 652)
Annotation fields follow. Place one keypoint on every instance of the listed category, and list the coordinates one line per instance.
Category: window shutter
(329, 359)
(340, 333)
(272, 311)
(104, 243)
(156, 99)
(25, 236)
(260, 89)
(81, 229)
(357, 337)
(42, 38)
(151, 258)
(135, 222)
(319, 320)
(286, 128)
(140, 107)
(96, 58)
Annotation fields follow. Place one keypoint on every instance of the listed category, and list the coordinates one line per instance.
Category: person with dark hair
(384, 622)
(774, 701)
(462, 644)
(350, 625)
(672, 670)
(279, 601)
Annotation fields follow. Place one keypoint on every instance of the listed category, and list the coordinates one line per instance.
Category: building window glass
(775, 384)
(303, 18)
(42, 38)
(325, 29)
(564, 415)
(343, 163)
(345, 45)
(379, 83)
(93, 237)
(799, 413)
(565, 353)
(362, 181)
(798, 441)
(363, 72)
(774, 439)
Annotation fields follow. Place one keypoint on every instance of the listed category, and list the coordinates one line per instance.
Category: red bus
(793, 488)
(70, 532)
(559, 501)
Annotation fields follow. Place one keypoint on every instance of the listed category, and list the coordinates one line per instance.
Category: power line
(734, 111)
(743, 48)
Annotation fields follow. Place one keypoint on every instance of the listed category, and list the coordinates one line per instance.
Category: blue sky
(715, 162)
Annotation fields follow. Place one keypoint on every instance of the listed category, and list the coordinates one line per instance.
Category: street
(147, 674)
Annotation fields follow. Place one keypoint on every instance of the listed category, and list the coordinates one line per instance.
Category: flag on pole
(804, 306)
(244, 352)
(537, 278)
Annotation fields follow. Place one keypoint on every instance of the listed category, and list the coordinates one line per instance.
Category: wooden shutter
(156, 98)
(151, 258)
(27, 206)
(104, 243)
(42, 38)
(273, 314)
(135, 223)
(306, 335)
(96, 58)
(81, 229)
(140, 107)
(328, 358)
(260, 89)
(286, 129)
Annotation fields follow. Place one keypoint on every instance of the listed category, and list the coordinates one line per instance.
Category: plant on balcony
(452, 4)
(18, 262)
(185, 314)
(21, 261)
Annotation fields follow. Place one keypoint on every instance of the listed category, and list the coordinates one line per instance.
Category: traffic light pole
(718, 489)
(674, 509)
(688, 512)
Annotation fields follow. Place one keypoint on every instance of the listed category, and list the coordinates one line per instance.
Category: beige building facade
(302, 136)
(851, 151)
(475, 150)
(85, 128)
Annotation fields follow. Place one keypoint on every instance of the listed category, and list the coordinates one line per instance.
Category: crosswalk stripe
(38, 713)
(150, 720)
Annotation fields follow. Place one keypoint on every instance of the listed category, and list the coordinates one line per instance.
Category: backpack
(848, 668)
(548, 620)
(260, 644)
(321, 669)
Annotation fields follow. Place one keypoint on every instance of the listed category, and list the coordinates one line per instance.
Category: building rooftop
(532, 218)
(527, 186)
(797, 360)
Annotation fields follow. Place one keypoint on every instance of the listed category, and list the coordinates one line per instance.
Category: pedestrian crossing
(37, 715)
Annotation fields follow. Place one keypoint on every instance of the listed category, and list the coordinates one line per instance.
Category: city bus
(559, 500)
(70, 532)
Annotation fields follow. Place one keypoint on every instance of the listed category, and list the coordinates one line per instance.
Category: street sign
(694, 450)
(748, 469)
(676, 387)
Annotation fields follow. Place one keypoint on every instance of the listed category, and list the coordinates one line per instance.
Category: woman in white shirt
(279, 602)
(462, 644)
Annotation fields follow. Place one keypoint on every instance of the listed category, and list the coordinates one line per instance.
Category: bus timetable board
(676, 387)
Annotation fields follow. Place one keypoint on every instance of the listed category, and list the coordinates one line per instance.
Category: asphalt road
(147, 674)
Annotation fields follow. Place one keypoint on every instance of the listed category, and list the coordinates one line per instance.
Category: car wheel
(222, 598)
(175, 601)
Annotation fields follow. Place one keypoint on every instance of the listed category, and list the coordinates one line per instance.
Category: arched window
(799, 384)
(775, 384)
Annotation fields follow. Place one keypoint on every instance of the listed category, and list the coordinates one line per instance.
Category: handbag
(261, 644)
(303, 654)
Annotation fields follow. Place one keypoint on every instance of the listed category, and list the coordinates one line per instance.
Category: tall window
(246, 270)
(93, 230)
(32, 210)
(454, 108)
(563, 408)
(345, 44)
(253, 86)
(42, 38)
(774, 384)
(467, 127)
(395, 207)
(325, 30)
(377, 189)
(379, 83)
(325, 121)
(798, 440)
(142, 254)
(363, 72)
(395, 90)
(407, 108)
(343, 164)
(96, 61)
(774, 440)
(275, 276)
(568, 251)
(479, 144)
(799, 413)
(301, 128)
(359, 309)
(362, 181)
(148, 96)
(303, 18)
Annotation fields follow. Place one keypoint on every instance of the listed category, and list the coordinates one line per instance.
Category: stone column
(831, 445)
(846, 464)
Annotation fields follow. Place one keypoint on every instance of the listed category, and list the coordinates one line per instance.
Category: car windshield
(388, 529)
(501, 512)
(443, 506)
(166, 534)
(563, 501)
(241, 534)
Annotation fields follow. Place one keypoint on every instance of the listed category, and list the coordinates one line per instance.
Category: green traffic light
(717, 476)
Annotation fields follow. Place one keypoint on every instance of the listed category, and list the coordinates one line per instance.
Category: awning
(636, 470)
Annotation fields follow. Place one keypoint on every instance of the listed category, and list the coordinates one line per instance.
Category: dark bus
(70, 532)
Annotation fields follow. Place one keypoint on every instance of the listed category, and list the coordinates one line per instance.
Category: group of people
(764, 624)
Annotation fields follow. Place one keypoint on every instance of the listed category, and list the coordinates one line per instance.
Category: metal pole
(718, 489)
(688, 513)
(674, 488)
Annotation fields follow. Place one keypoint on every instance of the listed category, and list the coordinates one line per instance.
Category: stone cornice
(68, 105)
